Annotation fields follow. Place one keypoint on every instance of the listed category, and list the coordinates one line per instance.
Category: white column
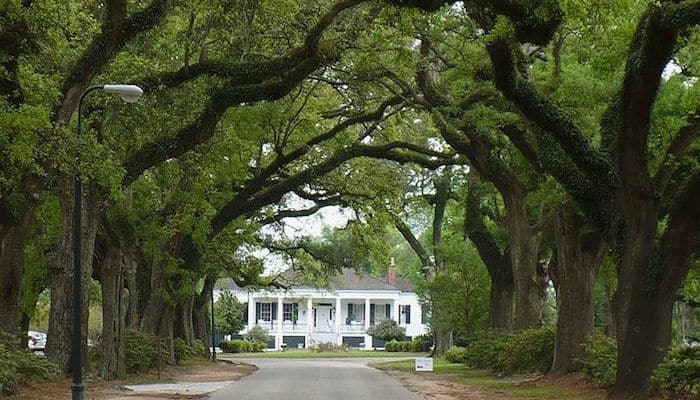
(338, 314)
(309, 320)
(309, 315)
(280, 318)
(366, 314)
(251, 311)
(368, 338)
(395, 311)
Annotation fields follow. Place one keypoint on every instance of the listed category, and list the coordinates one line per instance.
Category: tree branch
(262, 85)
(203, 128)
(427, 264)
(681, 236)
(549, 117)
(653, 45)
(280, 215)
(494, 258)
(678, 147)
(244, 201)
(104, 46)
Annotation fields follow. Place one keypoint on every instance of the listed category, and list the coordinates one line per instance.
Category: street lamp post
(213, 330)
(130, 94)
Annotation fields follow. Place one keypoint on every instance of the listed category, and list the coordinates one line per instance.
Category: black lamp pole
(78, 387)
(130, 94)
(213, 331)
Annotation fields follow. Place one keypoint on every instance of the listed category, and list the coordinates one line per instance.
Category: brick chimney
(391, 272)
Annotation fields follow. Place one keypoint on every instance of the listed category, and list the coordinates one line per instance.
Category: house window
(425, 313)
(405, 311)
(291, 311)
(266, 311)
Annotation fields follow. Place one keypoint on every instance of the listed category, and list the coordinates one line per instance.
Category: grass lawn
(304, 353)
(480, 379)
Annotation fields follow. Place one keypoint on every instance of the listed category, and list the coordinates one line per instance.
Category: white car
(37, 341)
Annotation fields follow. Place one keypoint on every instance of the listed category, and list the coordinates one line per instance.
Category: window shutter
(274, 312)
(408, 314)
(371, 314)
(387, 311)
(295, 312)
(257, 312)
(245, 312)
(350, 311)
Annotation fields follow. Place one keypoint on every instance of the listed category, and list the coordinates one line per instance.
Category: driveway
(310, 379)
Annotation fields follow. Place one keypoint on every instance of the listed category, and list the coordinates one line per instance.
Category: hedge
(242, 346)
(600, 359)
(531, 350)
(415, 345)
(19, 366)
(457, 355)
(678, 376)
(184, 351)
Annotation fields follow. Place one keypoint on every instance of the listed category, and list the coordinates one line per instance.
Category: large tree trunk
(113, 312)
(183, 326)
(133, 316)
(579, 255)
(58, 345)
(501, 301)
(524, 247)
(497, 261)
(650, 272)
(11, 269)
(200, 315)
(166, 333)
(643, 344)
(156, 305)
(443, 341)
(644, 313)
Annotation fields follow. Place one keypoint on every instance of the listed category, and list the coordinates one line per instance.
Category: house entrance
(323, 319)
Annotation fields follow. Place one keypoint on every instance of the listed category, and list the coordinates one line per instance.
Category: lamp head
(128, 93)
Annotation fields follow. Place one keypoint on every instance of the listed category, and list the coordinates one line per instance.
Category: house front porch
(303, 322)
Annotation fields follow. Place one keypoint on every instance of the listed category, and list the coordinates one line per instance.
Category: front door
(323, 319)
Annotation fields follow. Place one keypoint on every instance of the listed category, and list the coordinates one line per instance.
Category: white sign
(424, 364)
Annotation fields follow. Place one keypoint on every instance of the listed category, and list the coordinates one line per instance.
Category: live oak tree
(113, 27)
(653, 228)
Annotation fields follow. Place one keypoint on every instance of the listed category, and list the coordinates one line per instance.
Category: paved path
(311, 379)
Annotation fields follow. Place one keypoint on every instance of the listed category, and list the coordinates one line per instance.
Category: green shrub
(141, 351)
(257, 333)
(456, 355)
(422, 343)
(600, 359)
(239, 346)
(329, 346)
(200, 348)
(484, 353)
(404, 345)
(224, 345)
(388, 329)
(531, 350)
(184, 351)
(257, 346)
(21, 366)
(679, 374)
(242, 346)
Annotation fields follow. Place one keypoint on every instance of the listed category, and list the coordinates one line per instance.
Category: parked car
(37, 341)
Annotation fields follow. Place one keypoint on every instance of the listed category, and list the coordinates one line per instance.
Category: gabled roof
(351, 279)
(347, 279)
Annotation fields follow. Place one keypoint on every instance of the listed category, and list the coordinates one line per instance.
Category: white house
(303, 315)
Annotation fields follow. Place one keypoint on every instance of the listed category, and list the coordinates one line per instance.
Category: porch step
(323, 338)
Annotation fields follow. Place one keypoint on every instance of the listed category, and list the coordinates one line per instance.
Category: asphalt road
(311, 379)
